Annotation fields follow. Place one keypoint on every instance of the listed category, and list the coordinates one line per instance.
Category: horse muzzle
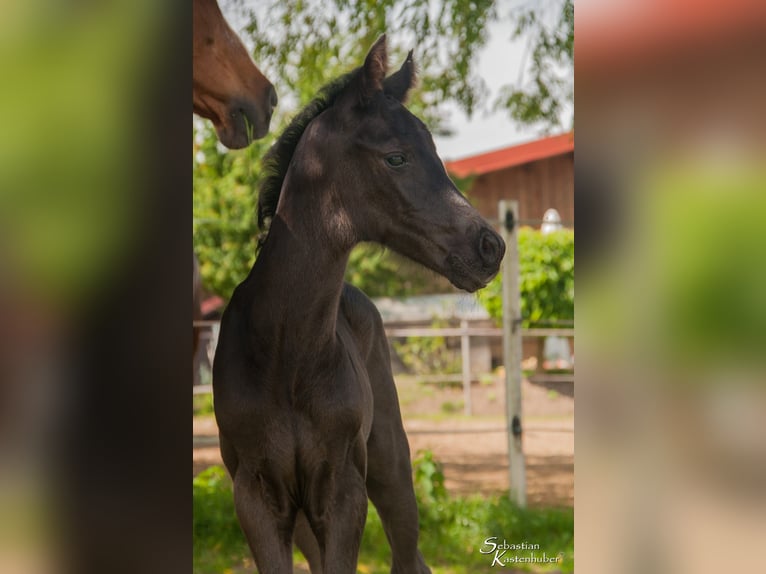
(472, 270)
(248, 121)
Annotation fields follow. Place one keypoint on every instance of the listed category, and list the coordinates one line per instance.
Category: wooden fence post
(509, 217)
(465, 350)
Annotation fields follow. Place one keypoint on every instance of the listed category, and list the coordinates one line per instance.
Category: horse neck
(297, 282)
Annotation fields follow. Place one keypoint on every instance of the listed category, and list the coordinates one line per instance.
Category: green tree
(540, 95)
(224, 207)
(304, 43)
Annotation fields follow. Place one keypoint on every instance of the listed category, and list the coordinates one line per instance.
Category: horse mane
(278, 158)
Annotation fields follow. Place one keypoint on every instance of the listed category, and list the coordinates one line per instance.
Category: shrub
(428, 479)
(546, 278)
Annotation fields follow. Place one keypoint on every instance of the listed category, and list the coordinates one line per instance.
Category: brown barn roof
(512, 156)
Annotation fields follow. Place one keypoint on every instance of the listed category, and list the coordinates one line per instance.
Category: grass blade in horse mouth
(226, 82)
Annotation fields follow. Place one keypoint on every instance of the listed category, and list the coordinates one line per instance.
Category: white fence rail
(465, 332)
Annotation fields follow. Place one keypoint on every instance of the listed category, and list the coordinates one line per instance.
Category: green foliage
(546, 282)
(704, 292)
(428, 479)
(541, 99)
(304, 43)
(452, 529)
(202, 404)
(218, 540)
(382, 273)
(224, 205)
(428, 355)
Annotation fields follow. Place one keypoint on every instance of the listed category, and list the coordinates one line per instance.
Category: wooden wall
(537, 186)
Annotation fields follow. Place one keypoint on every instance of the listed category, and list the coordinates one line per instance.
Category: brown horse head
(228, 88)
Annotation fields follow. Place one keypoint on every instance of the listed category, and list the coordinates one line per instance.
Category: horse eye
(396, 160)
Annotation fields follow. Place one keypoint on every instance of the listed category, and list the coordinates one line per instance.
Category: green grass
(487, 379)
(452, 407)
(452, 529)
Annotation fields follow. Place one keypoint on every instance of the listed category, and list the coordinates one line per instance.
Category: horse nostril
(273, 99)
(490, 247)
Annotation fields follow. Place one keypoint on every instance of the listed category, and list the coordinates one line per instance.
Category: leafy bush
(546, 278)
(428, 479)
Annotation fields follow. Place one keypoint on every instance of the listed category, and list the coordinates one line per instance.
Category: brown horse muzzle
(247, 120)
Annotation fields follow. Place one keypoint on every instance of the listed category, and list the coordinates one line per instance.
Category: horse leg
(343, 533)
(389, 472)
(389, 486)
(305, 540)
(338, 511)
(267, 522)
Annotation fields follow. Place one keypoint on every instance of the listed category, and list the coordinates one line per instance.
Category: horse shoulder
(363, 318)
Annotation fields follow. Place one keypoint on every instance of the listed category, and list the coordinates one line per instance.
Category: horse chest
(337, 399)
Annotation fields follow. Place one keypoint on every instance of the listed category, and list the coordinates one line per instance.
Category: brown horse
(229, 90)
(227, 87)
(305, 400)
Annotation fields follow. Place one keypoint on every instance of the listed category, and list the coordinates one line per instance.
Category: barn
(538, 174)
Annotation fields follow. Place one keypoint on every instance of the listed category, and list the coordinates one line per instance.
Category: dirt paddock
(473, 450)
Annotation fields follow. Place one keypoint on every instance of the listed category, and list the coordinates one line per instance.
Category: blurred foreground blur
(671, 313)
(89, 190)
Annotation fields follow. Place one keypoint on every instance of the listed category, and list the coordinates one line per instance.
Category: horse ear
(374, 70)
(399, 83)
